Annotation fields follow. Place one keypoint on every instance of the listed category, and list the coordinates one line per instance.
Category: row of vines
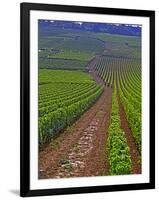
(61, 103)
(119, 152)
(124, 76)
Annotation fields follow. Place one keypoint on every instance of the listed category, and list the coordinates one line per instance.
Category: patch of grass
(65, 64)
(76, 148)
(70, 129)
(54, 144)
(107, 37)
(66, 164)
(103, 173)
(69, 54)
(56, 76)
(100, 113)
(68, 167)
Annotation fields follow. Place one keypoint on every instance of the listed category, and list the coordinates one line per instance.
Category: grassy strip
(77, 55)
(119, 152)
(65, 64)
(59, 76)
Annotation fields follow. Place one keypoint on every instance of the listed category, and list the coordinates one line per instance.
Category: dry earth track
(81, 150)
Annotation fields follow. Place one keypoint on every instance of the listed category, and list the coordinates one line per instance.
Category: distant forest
(121, 29)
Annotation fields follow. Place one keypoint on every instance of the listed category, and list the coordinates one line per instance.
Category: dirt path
(90, 68)
(136, 163)
(80, 150)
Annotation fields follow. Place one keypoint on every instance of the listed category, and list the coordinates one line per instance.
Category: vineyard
(62, 102)
(126, 73)
(90, 106)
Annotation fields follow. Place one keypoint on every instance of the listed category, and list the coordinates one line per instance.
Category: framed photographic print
(87, 99)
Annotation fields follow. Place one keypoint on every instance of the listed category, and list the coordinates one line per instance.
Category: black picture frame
(25, 9)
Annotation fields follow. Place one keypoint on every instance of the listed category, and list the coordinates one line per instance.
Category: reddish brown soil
(136, 163)
(80, 150)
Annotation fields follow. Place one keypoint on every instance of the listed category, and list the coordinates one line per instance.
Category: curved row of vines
(124, 75)
(62, 102)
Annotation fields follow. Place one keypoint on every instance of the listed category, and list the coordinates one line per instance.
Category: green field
(74, 55)
(67, 49)
(65, 64)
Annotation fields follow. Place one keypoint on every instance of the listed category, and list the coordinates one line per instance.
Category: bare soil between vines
(135, 157)
(81, 149)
